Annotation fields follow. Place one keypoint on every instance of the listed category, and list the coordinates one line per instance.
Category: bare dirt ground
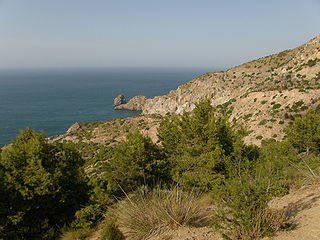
(186, 233)
(303, 206)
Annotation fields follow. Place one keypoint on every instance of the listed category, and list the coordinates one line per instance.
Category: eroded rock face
(291, 69)
(120, 99)
(75, 127)
(135, 103)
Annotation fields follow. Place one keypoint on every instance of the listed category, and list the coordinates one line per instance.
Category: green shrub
(44, 185)
(263, 122)
(304, 133)
(259, 137)
(110, 231)
(278, 159)
(134, 163)
(247, 116)
(312, 62)
(198, 146)
(88, 216)
(276, 106)
(244, 212)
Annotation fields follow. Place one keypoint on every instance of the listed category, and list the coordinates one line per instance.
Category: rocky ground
(265, 94)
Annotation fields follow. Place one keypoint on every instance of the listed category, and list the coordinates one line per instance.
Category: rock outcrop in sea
(136, 103)
(120, 99)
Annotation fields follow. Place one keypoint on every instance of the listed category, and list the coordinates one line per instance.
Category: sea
(51, 100)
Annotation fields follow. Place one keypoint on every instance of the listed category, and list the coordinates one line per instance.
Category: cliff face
(296, 68)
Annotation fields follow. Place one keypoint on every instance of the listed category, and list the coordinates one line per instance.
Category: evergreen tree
(304, 133)
(199, 146)
(43, 186)
(135, 162)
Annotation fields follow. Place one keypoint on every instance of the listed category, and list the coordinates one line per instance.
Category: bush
(304, 133)
(150, 212)
(243, 212)
(198, 146)
(312, 62)
(278, 161)
(263, 122)
(44, 185)
(134, 163)
(88, 216)
(276, 106)
(111, 231)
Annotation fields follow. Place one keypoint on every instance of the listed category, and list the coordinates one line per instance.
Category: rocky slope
(264, 95)
(296, 68)
(111, 132)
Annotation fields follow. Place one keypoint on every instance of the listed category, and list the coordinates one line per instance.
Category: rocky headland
(264, 95)
(136, 103)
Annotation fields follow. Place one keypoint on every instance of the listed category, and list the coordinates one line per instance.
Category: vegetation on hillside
(138, 189)
(42, 186)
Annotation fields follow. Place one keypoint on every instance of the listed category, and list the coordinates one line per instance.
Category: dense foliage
(47, 187)
(134, 163)
(304, 133)
(42, 186)
(199, 146)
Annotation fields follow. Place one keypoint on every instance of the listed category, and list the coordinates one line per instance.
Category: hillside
(302, 205)
(298, 68)
(265, 95)
(195, 176)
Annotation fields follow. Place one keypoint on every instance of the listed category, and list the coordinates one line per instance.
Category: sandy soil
(304, 208)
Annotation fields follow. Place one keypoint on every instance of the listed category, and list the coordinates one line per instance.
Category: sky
(150, 33)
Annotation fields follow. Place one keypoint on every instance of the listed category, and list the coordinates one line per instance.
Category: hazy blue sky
(151, 33)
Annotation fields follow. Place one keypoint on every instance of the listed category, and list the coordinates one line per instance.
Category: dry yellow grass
(150, 213)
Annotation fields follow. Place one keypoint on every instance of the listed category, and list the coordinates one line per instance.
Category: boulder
(120, 99)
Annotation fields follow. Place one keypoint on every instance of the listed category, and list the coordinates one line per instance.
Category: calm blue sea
(52, 100)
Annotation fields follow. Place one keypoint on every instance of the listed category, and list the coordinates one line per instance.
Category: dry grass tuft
(78, 234)
(151, 212)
